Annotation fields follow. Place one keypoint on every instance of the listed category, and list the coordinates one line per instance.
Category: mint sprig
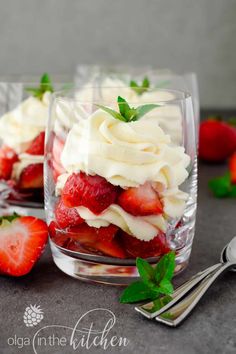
(126, 113)
(9, 218)
(154, 281)
(44, 86)
(140, 89)
(222, 187)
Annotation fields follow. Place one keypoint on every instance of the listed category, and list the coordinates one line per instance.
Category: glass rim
(60, 95)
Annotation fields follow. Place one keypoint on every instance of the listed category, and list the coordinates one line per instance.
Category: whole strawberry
(217, 140)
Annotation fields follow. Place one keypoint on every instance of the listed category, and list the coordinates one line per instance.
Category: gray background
(183, 35)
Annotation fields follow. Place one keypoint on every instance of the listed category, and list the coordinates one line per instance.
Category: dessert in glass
(120, 180)
(23, 115)
(121, 76)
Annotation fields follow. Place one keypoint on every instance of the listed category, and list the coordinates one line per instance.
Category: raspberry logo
(33, 315)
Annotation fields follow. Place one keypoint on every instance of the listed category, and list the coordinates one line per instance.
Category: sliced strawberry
(52, 229)
(37, 145)
(143, 200)
(93, 192)
(137, 248)
(67, 216)
(7, 159)
(22, 241)
(232, 167)
(217, 140)
(91, 238)
(31, 177)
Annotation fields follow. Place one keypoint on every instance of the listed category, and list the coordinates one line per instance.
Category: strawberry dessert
(121, 186)
(22, 134)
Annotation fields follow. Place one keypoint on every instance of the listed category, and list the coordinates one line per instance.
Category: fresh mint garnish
(222, 187)
(154, 281)
(9, 218)
(140, 89)
(44, 86)
(126, 113)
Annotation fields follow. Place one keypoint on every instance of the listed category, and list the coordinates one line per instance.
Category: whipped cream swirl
(19, 127)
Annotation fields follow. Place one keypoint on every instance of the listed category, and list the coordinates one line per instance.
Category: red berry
(22, 241)
(66, 216)
(7, 159)
(217, 140)
(31, 176)
(52, 228)
(232, 167)
(145, 249)
(37, 145)
(92, 192)
(143, 200)
(98, 239)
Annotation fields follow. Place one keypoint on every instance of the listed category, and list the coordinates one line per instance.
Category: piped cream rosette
(127, 155)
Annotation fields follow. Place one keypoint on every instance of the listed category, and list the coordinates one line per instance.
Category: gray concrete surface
(210, 329)
(184, 35)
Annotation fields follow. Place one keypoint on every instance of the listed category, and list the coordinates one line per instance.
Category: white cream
(142, 227)
(19, 127)
(126, 154)
(24, 161)
(167, 115)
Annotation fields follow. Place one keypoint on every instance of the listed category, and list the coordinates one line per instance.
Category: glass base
(104, 269)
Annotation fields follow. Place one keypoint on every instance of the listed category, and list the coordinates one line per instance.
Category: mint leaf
(45, 86)
(145, 270)
(140, 89)
(154, 281)
(123, 106)
(9, 218)
(142, 110)
(146, 82)
(112, 112)
(128, 114)
(137, 291)
(165, 268)
(222, 187)
(45, 83)
(165, 287)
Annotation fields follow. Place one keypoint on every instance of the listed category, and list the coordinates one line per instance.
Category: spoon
(156, 307)
(177, 313)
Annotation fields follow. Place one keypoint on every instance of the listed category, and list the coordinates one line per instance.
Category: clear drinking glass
(120, 180)
(22, 128)
(104, 75)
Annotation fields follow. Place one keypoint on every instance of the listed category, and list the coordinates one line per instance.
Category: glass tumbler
(23, 117)
(120, 180)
